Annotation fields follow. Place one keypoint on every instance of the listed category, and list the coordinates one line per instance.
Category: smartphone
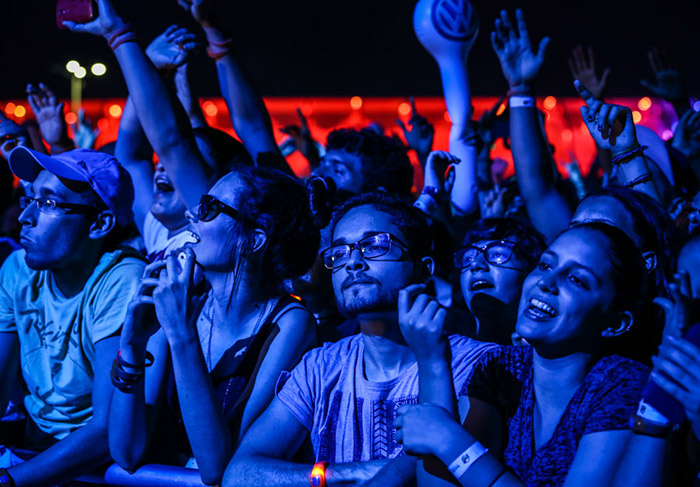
(79, 11)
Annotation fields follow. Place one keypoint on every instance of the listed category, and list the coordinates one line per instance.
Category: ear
(650, 261)
(625, 322)
(259, 239)
(425, 268)
(103, 224)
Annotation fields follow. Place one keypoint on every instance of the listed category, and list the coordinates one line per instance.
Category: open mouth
(480, 284)
(193, 237)
(163, 185)
(540, 309)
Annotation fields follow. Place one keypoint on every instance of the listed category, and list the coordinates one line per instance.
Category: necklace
(210, 316)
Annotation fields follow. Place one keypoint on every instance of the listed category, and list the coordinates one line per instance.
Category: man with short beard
(345, 394)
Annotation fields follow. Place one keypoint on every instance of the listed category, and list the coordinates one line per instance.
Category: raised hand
(519, 63)
(140, 320)
(423, 429)
(11, 135)
(686, 139)
(677, 307)
(492, 203)
(172, 299)
(669, 80)
(677, 371)
(203, 11)
(611, 126)
(172, 48)
(107, 22)
(439, 164)
(485, 123)
(301, 134)
(420, 134)
(85, 135)
(582, 67)
(422, 322)
(49, 115)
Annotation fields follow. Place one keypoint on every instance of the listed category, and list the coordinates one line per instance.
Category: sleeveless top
(231, 375)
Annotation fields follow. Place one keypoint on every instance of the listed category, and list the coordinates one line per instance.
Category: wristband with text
(522, 101)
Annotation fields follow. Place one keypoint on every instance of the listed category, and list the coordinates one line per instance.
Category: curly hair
(530, 241)
(385, 163)
(409, 219)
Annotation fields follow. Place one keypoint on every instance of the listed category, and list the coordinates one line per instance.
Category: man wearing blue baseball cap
(63, 299)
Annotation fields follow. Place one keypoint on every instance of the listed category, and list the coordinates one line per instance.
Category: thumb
(400, 123)
(543, 48)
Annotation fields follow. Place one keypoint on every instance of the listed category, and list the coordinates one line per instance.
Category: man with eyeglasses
(344, 395)
(63, 299)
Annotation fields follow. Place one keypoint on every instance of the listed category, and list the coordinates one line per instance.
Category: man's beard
(355, 305)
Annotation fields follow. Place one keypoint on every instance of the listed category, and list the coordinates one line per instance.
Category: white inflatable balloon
(447, 29)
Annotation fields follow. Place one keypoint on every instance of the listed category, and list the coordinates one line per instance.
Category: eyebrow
(342, 241)
(575, 264)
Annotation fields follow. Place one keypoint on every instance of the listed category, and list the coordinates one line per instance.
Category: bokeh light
(20, 111)
(356, 102)
(549, 103)
(210, 108)
(80, 73)
(71, 118)
(115, 110)
(72, 66)
(404, 109)
(98, 69)
(636, 116)
(644, 103)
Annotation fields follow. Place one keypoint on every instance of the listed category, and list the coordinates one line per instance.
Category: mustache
(358, 279)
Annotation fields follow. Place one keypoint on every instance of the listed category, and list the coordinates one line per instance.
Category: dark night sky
(359, 47)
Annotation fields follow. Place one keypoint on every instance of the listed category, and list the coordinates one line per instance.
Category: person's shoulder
(15, 266)
(332, 355)
(619, 369)
(122, 264)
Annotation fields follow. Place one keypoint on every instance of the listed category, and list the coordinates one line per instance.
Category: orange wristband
(318, 474)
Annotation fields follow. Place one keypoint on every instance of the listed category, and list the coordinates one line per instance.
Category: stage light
(72, 66)
(356, 102)
(636, 116)
(667, 134)
(644, 103)
(549, 103)
(71, 118)
(98, 69)
(10, 108)
(80, 73)
(404, 109)
(210, 108)
(115, 110)
(20, 111)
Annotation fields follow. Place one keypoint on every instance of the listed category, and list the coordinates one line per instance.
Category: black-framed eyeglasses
(52, 207)
(209, 207)
(497, 253)
(371, 247)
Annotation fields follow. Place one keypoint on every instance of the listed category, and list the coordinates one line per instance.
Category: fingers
(412, 101)
(407, 295)
(188, 266)
(604, 124)
(542, 49)
(168, 33)
(583, 92)
(153, 269)
(673, 389)
(522, 26)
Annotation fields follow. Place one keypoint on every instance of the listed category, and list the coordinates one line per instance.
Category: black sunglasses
(209, 207)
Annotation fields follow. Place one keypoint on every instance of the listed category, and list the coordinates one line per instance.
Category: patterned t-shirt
(350, 418)
(57, 334)
(605, 401)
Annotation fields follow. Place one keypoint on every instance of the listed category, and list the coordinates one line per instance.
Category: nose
(191, 214)
(355, 261)
(28, 215)
(479, 263)
(548, 284)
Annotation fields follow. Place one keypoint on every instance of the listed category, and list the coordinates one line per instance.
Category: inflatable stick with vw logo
(447, 29)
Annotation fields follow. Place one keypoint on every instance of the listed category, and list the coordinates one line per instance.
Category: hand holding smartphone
(79, 11)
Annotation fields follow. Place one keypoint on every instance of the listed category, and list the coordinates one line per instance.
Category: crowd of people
(212, 310)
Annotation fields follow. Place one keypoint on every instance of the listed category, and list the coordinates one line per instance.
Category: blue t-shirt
(605, 401)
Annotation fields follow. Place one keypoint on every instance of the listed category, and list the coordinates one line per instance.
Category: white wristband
(650, 413)
(521, 101)
(466, 459)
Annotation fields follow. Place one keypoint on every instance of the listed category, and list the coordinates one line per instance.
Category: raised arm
(49, 115)
(451, 55)
(668, 80)
(249, 116)
(163, 119)
(532, 158)
(612, 128)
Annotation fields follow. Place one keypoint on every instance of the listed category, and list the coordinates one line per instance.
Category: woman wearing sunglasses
(556, 412)
(496, 256)
(224, 351)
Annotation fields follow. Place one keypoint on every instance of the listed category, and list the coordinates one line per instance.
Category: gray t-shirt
(350, 418)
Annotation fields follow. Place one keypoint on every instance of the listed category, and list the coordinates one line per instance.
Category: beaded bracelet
(123, 380)
(618, 159)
